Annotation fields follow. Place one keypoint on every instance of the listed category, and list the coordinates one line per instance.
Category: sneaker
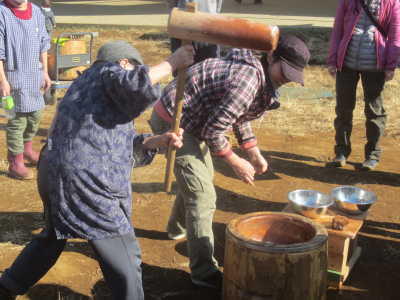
(176, 236)
(213, 281)
(338, 161)
(369, 164)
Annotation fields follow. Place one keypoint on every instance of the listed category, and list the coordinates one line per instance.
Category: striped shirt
(223, 94)
(21, 44)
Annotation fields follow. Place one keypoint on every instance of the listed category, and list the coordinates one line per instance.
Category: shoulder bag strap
(372, 18)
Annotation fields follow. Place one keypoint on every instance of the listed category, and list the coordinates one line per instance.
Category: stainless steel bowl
(353, 200)
(310, 203)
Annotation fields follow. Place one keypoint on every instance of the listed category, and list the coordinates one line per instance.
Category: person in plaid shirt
(221, 94)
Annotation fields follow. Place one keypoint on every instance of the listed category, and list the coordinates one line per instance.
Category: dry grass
(303, 110)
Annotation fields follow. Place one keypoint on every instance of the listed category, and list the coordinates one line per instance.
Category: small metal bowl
(310, 203)
(353, 200)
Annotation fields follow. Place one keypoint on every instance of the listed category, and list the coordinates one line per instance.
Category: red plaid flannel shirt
(222, 94)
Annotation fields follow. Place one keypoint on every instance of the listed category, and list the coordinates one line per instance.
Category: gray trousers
(195, 203)
(375, 115)
(119, 257)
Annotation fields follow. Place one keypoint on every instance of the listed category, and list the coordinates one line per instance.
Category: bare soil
(295, 162)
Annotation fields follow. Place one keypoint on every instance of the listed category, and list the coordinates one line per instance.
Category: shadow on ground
(298, 166)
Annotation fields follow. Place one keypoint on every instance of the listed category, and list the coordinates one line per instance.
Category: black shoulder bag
(375, 21)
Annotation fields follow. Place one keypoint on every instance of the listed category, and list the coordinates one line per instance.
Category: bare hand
(46, 82)
(242, 168)
(164, 140)
(245, 171)
(5, 88)
(257, 160)
(332, 71)
(182, 57)
(389, 75)
(172, 139)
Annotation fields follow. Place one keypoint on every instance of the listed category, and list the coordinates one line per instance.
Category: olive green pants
(195, 202)
(21, 129)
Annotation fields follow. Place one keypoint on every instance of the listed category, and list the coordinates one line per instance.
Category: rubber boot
(29, 154)
(17, 167)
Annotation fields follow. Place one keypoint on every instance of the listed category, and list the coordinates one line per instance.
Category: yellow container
(66, 47)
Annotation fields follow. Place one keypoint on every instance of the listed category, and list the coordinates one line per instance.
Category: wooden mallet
(191, 25)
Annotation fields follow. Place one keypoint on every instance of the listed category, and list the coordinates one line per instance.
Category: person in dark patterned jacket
(221, 94)
(85, 169)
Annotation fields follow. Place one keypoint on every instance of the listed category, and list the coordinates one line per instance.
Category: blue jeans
(119, 257)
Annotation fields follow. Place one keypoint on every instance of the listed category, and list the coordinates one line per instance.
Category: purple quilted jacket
(347, 16)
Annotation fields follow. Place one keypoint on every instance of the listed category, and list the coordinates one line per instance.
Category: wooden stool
(343, 251)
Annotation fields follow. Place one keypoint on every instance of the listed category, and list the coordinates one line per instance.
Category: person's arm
(146, 146)
(132, 91)
(248, 143)
(46, 79)
(241, 91)
(257, 160)
(393, 41)
(53, 19)
(181, 58)
(164, 140)
(44, 47)
(336, 37)
(242, 168)
(5, 89)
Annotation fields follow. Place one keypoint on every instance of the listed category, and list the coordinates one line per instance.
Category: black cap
(294, 55)
(115, 50)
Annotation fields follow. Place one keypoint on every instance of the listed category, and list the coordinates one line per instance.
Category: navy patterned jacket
(92, 149)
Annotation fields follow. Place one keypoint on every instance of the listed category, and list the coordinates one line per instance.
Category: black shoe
(337, 162)
(369, 165)
(214, 281)
(6, 294)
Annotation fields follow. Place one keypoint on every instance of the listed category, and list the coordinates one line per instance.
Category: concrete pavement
(151, 12)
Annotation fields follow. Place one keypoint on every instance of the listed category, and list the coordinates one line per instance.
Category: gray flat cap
(113, 51)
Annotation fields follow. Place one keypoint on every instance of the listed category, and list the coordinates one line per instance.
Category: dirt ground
(295, 162)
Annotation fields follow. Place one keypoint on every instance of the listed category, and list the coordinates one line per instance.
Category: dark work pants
(346, 85)
(119, 258)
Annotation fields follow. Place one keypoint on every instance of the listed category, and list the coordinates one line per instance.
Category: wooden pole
(179, 100)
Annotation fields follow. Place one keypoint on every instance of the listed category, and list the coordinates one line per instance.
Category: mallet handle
(179, 100)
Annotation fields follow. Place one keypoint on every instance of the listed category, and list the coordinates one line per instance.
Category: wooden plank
(352, 261)
(349, 230)
(343, 251)
(338, 253)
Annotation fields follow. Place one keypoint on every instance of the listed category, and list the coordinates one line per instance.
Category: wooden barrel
(275, 256)
(69, 47)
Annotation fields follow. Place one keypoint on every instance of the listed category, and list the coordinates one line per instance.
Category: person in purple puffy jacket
(365, 44)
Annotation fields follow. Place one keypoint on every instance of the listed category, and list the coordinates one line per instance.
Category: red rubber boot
(29, 154)
(17, 167)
